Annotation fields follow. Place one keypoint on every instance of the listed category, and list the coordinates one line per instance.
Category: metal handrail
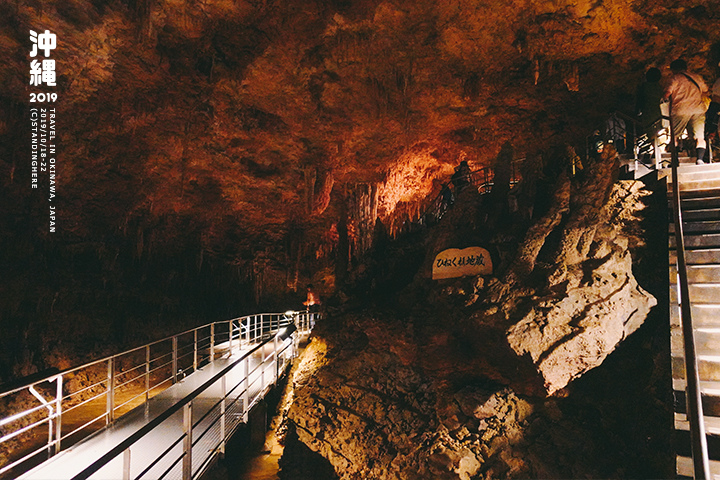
(635, 128)
(161, 368)
(51, 378)
(693, 395)
(482, 179)
(132, 439)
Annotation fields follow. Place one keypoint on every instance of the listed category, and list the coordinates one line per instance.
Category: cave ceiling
(217, 116)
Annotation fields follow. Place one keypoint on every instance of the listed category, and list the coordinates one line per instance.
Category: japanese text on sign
(454, 263)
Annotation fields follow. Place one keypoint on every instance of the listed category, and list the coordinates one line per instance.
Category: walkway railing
(72, 404)
(693, 394)
(482, 179)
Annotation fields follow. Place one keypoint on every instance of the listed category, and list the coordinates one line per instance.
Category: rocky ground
(558, 368)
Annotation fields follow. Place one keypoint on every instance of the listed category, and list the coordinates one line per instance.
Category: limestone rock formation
(567, 336)
(594, 300)
(462, 391)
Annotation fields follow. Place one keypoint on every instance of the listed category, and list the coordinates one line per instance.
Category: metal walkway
(155, 421)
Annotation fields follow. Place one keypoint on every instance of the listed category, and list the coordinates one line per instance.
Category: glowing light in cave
(411, 179)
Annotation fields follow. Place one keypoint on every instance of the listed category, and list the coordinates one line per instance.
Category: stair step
(685, 467)
(696, 185)
(699, 173)
(697, 274)
(696, 202)
(703, 316)
(700, 293)
(699, 214)
(712, 424)
(697, 227)
(707, 341)
(709, 389)
(710, 403)
(711, 192)
(698, 257)
(708, 368)
(685, 163)
(707, 240)
(692, 168)
(682, 444)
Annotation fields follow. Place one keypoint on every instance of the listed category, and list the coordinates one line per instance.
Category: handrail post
(230, 335)
(110, 412)
(246, 392)
(58, 413)
(195, 351)
(187, 443)
(174, 358)
(51, 432)
(277, 360)
(262, 368)
(223, 388)
(296, 345)
(126, 464)
(693, 395)
(147, 372)
(50, 417)
(212, 342)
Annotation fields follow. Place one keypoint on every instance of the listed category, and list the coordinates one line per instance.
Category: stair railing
(632, 128)
(693, 395)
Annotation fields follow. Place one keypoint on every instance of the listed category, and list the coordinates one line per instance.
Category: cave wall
(207, 148)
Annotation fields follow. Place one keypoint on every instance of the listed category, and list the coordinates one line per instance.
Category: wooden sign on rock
(454, 262)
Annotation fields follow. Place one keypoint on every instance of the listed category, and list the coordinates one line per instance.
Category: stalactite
(183, 159)
(362, 211)
(294, 252)
(571, 76)
(321, 198)
(374, 200)
(310, 179)
(142, 12)
(140, 242)
(343, 249)
(258, 278)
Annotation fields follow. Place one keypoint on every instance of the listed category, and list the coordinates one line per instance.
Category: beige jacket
(686, 96)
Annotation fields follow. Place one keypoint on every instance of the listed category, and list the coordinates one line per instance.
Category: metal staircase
(699, 188)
